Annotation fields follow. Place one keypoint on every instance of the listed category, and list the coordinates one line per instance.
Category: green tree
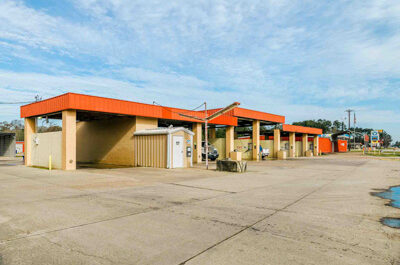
(386, 138)
(323, 124)
(15, 126)
(336, 126)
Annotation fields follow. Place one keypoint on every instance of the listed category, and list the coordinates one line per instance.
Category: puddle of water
(392, 222)
(392, 194)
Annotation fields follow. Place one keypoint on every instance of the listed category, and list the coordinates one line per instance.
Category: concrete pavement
(303, 211)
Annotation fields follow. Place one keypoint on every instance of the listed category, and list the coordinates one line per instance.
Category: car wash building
(98, 130)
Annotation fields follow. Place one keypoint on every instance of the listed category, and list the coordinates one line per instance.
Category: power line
(167, 108)
(11, 103)
(37, 99)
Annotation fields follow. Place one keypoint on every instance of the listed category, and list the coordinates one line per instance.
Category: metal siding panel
(155, 150)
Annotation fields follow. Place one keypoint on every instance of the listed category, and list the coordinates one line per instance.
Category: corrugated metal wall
(151, 151)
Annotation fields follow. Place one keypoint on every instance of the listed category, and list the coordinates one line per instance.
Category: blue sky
(301, 59)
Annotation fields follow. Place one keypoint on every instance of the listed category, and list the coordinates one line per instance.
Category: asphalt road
(303, 211)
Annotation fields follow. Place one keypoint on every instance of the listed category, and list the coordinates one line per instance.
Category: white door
(177, 151)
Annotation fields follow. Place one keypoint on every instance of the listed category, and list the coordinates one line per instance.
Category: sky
(301, 59)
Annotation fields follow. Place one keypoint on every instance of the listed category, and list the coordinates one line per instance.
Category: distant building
(7, 144)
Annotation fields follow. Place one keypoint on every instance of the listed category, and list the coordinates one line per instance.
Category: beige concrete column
(292, 144)
(316, 138)
(256, 140)
(305, 144)
(212, 133)
(30, 129)
(68, 150)
(229, 139)
(197, 139)
(277, 142)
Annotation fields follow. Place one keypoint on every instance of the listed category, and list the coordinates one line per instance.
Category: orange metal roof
(300, 129)
(257, 115)
(116, 106)
(251, 114)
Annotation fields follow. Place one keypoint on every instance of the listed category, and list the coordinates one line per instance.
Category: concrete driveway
(303, 211)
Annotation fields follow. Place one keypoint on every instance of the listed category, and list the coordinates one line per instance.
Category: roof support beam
(68, 151)
(30, 129)
(305, 144)
(197, 138)
(292, 144)
(229, 138)
(316, 145)
(256, 140)
(277, 142)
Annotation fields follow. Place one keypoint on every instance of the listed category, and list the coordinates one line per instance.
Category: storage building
(164, 148)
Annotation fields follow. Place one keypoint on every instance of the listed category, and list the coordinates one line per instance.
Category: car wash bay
(99, 130)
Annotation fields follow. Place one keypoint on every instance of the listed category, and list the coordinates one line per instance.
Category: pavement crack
(214, 220)
(77, 250)
(258, 221)
(201, 188)
(149, 209)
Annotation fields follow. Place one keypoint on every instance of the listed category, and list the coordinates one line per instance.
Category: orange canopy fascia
(257, 115)
(115, 106)
(250, 114)
(300, 129)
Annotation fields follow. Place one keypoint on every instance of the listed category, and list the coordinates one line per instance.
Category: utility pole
(349, 111)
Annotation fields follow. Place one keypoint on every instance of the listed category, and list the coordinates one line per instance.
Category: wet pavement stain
(392, 194)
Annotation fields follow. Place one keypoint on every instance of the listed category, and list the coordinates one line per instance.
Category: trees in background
(326, 125)
(387, 139)
(337, 126)
(17, 127)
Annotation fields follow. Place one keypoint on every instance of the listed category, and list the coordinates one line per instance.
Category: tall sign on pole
(374, 138)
